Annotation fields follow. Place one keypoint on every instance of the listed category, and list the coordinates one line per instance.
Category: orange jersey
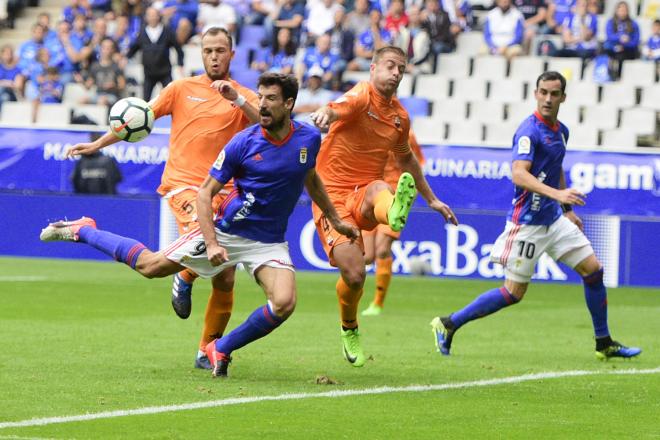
(203, 122)
(392, 171)
(356, 148)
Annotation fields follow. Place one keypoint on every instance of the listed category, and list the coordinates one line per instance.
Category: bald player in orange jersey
(207, 111)
(365, 125)
(378, 241)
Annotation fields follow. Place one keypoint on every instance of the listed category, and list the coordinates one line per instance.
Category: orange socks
(383, 278)
(348, 304)
(216, 318)
(382, 203)
(188, 276)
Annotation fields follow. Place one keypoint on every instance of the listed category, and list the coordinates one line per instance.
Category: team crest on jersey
(303, 155)
(397, 121)
(219, 161)
(524, 145)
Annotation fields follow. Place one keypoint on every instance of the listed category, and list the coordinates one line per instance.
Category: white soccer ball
(419, 265)
(131, 119)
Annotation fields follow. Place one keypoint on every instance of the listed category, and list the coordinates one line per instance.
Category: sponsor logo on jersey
(196, 98)
(397, 121)
(303, 155)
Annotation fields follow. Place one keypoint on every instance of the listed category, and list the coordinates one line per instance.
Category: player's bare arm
(91, 147)
(317, 192)
(523, 178)
(323, 117)
(215, 253)
(569, 213)
(228, 92)
(408, 162)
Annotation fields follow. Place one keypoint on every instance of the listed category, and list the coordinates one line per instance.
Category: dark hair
(388, 49)
(215, 30)
(656, 21)
(289, 48)
(52, 70)
(288, 83)
(627, 22)
(552, 76)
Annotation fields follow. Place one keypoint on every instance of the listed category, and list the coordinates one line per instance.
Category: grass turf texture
(90, 337)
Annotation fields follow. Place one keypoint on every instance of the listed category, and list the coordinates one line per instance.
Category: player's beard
(275, 124)
(222, 75)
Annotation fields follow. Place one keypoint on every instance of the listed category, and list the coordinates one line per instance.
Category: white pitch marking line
(27, 278)
(329, 394)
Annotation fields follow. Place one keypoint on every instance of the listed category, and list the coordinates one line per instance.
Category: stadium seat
(74, 93)
(506, 90)
(97, 113)
(453, 65)
(651, 97)
(241, 58)
(246, 77)
(619, 138)
(601, 33)
(638, 72)
(526, 68)
(487, 112)
(490, 67)
(429, 130)
(134, 71)
(351, 76)
(470, 43)
(450, 110)
(604, 117)
(641, 121)
(406, 86)
(465, 133)
(582, 93)
(569, 115)
(571, 68)
(619, 95)
(469, 89)
(16, 113)
(432, 87)
(519, 111)
(646, 25)
(251, 37)
(163, 122)
(500, 134)
(54, 115)
(192, 61)
(582, 136)
(415, 106)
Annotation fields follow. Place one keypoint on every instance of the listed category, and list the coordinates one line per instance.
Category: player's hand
(571, 196)
(572, 216)
(322, 117)
(226, 89)
(216, 254)
(347, 229)
(83, 148)
(445, 210)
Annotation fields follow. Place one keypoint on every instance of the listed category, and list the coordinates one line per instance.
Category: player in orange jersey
(365, 125)
(378, 241)
(207, 111)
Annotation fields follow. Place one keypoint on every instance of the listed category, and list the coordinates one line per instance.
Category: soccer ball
(419, 265)
(131, 119)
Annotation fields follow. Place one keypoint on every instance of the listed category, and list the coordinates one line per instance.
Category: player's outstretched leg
(595, 295)
(404, 196)
(485, 304)
(217, 314)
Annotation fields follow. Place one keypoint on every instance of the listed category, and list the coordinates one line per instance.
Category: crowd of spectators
(91, 42)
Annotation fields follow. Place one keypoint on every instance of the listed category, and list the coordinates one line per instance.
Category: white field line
(25, 278)
(328, 394)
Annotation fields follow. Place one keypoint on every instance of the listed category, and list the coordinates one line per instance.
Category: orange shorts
(184, 208)
(348, 203)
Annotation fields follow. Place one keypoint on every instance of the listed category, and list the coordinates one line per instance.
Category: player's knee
(284, 307)
(354, 278)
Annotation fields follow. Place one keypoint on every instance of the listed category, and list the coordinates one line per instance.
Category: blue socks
(261, 322)
(120, 248)
(596, 296)
(485, 304)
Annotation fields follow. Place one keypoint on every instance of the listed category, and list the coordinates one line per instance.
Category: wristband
(240, 101)
(565, 207)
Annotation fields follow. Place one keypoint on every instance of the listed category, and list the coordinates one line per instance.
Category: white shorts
(190, 251)
(519, 247)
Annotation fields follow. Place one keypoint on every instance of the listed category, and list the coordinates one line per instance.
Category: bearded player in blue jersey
(541, 220)
(270, 164)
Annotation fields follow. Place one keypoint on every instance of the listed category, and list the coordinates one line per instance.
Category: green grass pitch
(88, 337)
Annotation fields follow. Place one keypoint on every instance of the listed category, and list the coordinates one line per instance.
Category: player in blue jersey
(536, 224)
(270, 164)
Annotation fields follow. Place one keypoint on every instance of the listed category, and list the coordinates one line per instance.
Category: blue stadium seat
(246, 77)
(415, 106)
(251, 37)
(163, 122)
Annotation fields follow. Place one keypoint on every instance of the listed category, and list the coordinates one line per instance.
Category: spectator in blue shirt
(368, 42)
(652, 48)
(27, 52)
(280, 57)
(558, 11)
(504, 29)
(76, 7)
(51, 88)
(319, 56)
(287, 14)
(182, 17)
(80, 34)
(63, 54)
(622, 38)
(44, 20)
(9, 74)
(579, 33)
